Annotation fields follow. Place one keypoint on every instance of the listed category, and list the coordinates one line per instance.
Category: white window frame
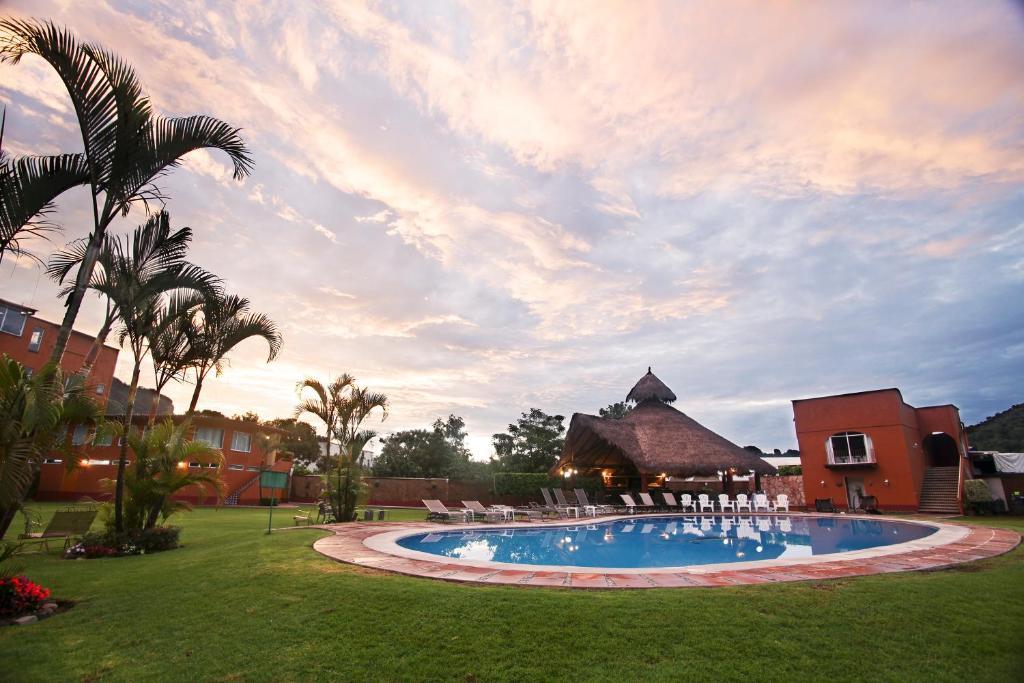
(35, 344)
(218, 445)
(6, 311)
(248, 445)
(252, 468)
(869, 449)
(236, 467)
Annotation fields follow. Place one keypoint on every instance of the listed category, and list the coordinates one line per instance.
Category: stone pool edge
(374, 546)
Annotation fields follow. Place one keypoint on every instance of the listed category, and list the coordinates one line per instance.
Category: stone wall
(307, 488)
(792, 486)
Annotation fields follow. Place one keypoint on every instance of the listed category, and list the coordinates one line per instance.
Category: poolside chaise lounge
(65, 524)
(436, 511)
(670, 500)
(478, 510)
(551, 506)
(628, 501)
(647, 502)
(564, 504)
(585, 504)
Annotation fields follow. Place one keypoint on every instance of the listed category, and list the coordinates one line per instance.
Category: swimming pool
(666, 541)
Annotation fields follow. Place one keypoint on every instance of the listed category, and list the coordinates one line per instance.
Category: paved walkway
(348, 545)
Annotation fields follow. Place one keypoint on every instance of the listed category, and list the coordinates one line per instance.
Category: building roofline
(31, 313)
(851, 393)
(25, 309)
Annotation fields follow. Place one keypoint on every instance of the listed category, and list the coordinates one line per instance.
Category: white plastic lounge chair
(782, 502)
(743, 502)
(725, 503)
(670, 500)
(436, 511)
(590, 508)
(686, 502)
(761, 503)
(647, 502)
(704, 503)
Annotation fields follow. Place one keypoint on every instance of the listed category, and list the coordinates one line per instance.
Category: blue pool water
(667, 541)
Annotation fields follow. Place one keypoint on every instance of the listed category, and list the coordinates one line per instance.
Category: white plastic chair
(782, 502)
(686, 502)
(761, 502)
(704, 503)
(725, 503)
(743, 502)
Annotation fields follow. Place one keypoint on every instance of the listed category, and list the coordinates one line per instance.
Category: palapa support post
(643, 482)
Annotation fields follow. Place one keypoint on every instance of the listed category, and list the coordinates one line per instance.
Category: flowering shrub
(20, 596)
(113, 544)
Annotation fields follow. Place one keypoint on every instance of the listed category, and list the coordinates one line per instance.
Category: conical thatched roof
(649, 387)
(656, 438)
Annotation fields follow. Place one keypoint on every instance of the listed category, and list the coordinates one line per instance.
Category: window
(102, 462)
(104, 437)
(253, 468)
(52, 461)
(211, 436)
(212, 465)
(80, 435)
(195, 464)
(12, 320)
(850, 448)
(241, 441)
(236, 467)
(36, 340)
(100, 389)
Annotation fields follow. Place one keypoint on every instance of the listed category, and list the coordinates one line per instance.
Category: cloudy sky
(483, 207)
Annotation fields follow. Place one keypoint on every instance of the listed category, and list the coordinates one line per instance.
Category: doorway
(854, 492)
(941, 450)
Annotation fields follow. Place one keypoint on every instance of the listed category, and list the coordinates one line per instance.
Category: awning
(1009, 463)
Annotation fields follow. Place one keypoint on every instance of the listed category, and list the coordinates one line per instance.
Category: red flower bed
(20, 596)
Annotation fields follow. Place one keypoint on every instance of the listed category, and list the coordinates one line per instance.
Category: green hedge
(529, 484)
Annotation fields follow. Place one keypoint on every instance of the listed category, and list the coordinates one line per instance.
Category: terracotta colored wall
(896, 434)
(306, 489)
(409, 492)
(78, 347)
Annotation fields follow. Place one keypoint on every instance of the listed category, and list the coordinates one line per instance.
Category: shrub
(522, 484)
(977, 496)
(112, 544)
(790, 470)
(20, 596)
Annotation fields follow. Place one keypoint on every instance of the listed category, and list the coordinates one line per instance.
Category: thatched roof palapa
(656, 438)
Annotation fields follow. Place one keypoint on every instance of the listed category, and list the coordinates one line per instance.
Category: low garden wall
(792, 486)
(307, 488)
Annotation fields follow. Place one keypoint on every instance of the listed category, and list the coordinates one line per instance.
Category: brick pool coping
(373, 545)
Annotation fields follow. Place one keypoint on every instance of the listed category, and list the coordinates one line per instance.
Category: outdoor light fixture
(822, 482)
(885, 481)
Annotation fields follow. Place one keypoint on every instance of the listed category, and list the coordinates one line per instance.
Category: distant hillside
(1002, 432)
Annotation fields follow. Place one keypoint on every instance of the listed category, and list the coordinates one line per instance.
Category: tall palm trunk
(154, 407)
(81, 284)
(129, 412)
(195, 398)
(97, 346)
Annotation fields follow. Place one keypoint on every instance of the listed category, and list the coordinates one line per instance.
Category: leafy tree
(247, 416)
(221, 323)
(1002, 432)
(125, 146)
(533, 444)
(616, 411)
(301, 441)
(436, 452)
(35, 410)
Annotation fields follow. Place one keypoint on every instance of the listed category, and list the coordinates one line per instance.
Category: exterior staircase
(939, 491)
(233, 497)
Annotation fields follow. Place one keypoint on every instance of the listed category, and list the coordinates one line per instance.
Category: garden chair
(743, 502)
(725, 503)
(782, 502)
(628, 501)
(478, 508)
(551, 506)
(670, 500)
(325, 513)
(584, 501)
(686, 502)
(704, 503)
(647, 502)
(436, 511)
(303, 517)
(761, 502)
(564, 504)
(66, 524)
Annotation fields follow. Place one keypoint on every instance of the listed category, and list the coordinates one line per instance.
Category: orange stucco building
(30, 340)
(872, 443)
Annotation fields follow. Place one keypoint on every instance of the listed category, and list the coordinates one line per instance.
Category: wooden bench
(302, 517)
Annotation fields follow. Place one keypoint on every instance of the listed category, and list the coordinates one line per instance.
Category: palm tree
(226, 323)
(168, 345)
(126, 147)
(28, 186)
(325, 404)
(162, 458)
(156, 257)
(35, 410)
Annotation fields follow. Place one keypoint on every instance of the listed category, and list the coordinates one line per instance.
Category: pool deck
(374, 545)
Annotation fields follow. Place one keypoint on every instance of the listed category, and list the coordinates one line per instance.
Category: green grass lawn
(236, 604)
